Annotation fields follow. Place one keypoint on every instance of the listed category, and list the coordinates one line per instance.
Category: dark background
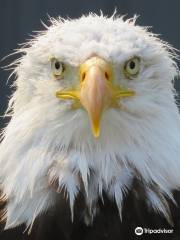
(19, 18)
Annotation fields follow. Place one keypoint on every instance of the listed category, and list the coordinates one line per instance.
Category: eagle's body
(56, 223)
(115, 121)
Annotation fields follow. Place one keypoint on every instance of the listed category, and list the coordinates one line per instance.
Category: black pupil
(57, 65)
(132, 65)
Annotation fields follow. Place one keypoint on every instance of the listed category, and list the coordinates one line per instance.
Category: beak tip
(96, 132)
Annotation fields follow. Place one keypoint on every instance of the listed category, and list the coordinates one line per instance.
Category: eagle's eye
(57, 67)
(132, 67)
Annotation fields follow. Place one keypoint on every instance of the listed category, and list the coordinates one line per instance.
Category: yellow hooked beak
(96, 91)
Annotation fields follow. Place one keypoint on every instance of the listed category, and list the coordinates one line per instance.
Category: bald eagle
(93, 145)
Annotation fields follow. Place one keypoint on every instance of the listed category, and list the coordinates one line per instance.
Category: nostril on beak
(83, 76)
(106, 76)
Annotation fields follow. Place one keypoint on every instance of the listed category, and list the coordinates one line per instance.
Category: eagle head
(93, 109)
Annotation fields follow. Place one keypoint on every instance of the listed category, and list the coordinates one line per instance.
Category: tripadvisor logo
(140, 231)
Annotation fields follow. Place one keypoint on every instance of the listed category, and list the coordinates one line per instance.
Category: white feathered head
(94, 94)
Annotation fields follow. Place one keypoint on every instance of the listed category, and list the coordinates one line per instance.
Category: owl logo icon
(139, 231)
